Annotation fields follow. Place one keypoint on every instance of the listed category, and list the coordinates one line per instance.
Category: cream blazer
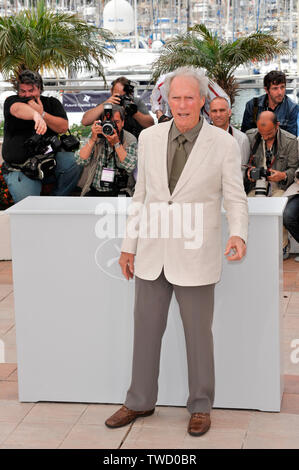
(212, 172)
(293, 190)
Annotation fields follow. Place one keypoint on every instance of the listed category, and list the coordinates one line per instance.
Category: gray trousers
(152, 299)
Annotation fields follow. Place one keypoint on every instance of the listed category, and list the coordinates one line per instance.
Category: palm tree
(38, 39)
(200, 48)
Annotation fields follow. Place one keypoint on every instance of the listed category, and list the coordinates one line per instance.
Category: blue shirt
(286, 113)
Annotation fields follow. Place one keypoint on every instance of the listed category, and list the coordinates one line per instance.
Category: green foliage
(39, 38)
(80, 131)
(200, 48)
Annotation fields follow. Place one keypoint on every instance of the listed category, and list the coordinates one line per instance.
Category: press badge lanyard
(108, 174)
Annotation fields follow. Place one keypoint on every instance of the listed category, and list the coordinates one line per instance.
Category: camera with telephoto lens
(258, 173)
(108, 125)
(127, 100)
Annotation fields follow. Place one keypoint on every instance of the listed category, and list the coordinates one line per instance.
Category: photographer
(137, 116)
(32, 119)
(275, 99)
(273, 161)
(291, 211)
(109, 156)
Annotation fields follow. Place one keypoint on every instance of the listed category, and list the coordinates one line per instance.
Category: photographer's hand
(113, 139)
(248, 173)
(120, 150)
(40, 126)
(277, 176)
(36, 105)
(56, 123)
(113, 99)
(86, 150)
(96, 129)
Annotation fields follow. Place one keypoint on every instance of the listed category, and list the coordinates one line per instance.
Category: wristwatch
(118, 144)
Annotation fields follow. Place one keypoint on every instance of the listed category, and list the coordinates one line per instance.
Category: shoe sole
(196, 434)
(148, 413)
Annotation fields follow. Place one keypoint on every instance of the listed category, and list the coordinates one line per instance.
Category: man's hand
(238, 246)
(96, 129)
(113, 99)
(126, 262)
(277, 176)
(248, 174)
(40, 126)
(113, 139)
(36, 105)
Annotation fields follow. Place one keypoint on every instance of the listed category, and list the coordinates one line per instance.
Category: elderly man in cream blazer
(185, 167)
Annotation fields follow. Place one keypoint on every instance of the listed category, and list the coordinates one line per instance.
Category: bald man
(276, 151)
(220, 113)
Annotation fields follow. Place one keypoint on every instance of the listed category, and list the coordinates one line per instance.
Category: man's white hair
(197, 73)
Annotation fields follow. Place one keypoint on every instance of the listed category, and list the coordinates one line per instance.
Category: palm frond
(200, 48)
(39, 38)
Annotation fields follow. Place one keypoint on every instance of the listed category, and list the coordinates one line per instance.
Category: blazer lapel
(198, 154)
(162, 151)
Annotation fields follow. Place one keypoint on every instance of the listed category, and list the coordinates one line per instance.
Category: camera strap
(268, 154)
(255, 147)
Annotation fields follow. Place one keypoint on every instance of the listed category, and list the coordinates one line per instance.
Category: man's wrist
(43, 114)
(117, 145)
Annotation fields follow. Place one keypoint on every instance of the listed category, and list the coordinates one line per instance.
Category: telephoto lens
(261, 187)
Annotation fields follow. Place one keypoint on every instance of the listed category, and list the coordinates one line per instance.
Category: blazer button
(170, 202)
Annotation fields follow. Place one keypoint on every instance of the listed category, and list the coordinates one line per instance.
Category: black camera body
(108, 125)
(120, 180)
(40, 145)
(69, 142)
(127, 100)
(259, 172)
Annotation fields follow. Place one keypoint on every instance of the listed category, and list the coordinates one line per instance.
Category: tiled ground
(78, 425)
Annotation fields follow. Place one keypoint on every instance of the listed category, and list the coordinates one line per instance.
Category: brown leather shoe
(124, 416)
(199, 424)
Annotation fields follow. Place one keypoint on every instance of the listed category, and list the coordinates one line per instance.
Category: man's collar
(190, 135)
(266, 102)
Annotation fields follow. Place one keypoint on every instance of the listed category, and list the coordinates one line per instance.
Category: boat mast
(227, 20)
(136, 28)
(188, 14)
(291, 33)
(297, 38)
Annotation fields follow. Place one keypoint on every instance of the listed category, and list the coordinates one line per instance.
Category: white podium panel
(74, 311)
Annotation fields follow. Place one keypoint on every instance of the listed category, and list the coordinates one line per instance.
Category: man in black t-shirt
(25, 114)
